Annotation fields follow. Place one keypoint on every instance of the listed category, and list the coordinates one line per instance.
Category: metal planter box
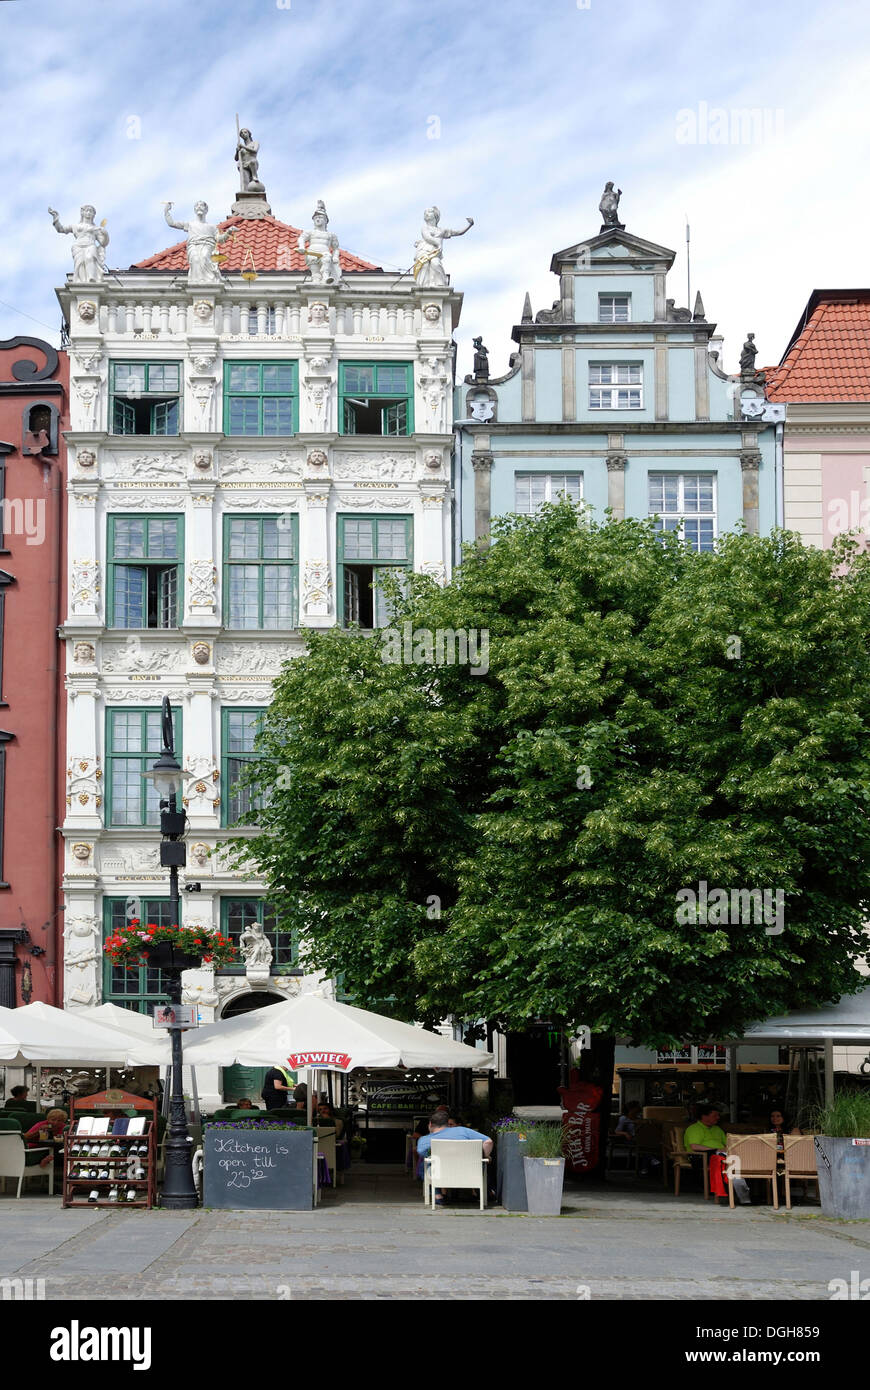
(843, 1166)
(267, 1170)
(511, 1186)
(544, 1179)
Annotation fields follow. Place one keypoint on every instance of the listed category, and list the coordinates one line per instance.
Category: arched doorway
(238, 1081)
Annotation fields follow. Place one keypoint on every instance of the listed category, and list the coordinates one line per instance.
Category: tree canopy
(510, 844)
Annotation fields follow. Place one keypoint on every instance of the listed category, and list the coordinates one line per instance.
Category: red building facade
(34, 404)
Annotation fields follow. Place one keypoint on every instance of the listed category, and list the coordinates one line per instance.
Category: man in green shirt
(705, 1132)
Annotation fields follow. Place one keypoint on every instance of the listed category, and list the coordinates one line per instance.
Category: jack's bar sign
(339, 1060)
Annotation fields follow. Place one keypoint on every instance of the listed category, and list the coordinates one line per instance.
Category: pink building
(824, 378)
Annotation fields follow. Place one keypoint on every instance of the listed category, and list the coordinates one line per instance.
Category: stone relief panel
(202, 791)
(81, 960)
(84, 785)
(317, 589)
(242, 658)
(246, 694)
(396, 501)
(152, 464)
(85, 587)
(380, 467)
(130, 860)
(258, 502)
(134, 655)
(202, 581)
(287, 464)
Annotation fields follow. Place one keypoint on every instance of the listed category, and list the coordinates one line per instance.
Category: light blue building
(618, 398)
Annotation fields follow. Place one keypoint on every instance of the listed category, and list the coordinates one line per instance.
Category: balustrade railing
(160, 317)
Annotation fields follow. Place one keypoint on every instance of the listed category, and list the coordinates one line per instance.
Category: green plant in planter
(847, 1117)
(545, 1141)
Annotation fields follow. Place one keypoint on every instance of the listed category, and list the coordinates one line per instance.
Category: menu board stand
(104, 1163)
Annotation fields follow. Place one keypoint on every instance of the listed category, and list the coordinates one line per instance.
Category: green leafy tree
(511, 845)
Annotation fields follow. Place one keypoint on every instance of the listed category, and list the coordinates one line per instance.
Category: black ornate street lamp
(179, 1190)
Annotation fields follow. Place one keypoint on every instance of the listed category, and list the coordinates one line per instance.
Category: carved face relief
(199, 854)
(86, 458)
(203, 362)
(201, 653)
(431, 312)
(202, 309)
(317, 313)
(82, 852)
(87, 310)
(317, 459)
(84, 654)
(202, 459)
(432, 460)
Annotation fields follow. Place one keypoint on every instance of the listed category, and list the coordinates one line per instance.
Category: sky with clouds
(512, 113)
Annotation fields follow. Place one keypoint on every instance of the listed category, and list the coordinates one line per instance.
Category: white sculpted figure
(247, 158)
(428, 264)
(256, 949)
(320, 249)
(89, 246)
(203, 238)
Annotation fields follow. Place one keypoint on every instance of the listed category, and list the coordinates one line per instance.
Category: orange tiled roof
(828, 358)
(272, 243)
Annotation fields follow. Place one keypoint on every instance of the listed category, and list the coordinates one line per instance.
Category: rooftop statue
(609, 206)
(748, 356)
(247, 152)
(320, 249)
(428, 264)
(89, 246)
(203, 238)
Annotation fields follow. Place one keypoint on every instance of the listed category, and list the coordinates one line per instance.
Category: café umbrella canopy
(311, 1031)
(42, 1035)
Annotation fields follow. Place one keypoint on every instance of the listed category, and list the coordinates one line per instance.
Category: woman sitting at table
(327, 1116)
(47, 1131)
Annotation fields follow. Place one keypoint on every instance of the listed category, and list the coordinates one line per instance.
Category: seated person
(706, 1135)
(439, 1128)
(18, 1093)
(626, 1125)
(244, 1104)
(326, 1116)
(779, 1125)
(47, 1131)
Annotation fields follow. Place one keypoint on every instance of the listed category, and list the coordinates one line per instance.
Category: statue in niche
(320, 249)
(203, 238)
(247, 158)
(256, 949)
(89, 245)
(609, 206)
(428, 263)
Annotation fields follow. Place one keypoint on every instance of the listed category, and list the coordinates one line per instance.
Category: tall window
(145, 555)
(532, 490)
(615, 385)
(239, 732)
(239, 913)
(685, 502)
(133, 741)
(142, 987)
(375, 398)
(369, 548)
(260, 398)
(614, 308)
(145, 397)
(261, 571)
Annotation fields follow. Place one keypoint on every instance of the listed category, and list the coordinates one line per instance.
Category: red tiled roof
(829, 356)
(272, 243)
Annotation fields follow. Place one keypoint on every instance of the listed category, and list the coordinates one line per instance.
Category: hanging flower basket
(169, 948)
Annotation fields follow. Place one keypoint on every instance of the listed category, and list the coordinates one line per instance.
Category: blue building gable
(615, 396)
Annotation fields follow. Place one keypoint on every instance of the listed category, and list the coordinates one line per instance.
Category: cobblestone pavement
(362, 1244)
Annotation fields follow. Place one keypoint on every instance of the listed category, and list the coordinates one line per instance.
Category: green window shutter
(164, 417)
(394, 418)
(349, 418)
(123, 418)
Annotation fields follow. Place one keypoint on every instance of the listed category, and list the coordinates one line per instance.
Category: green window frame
(145, 398)
(372, 393)
(143, 986)
(133, 742)
(261, 399)
(239, 913)
(368, 546)
(261, 572)
(145, 570)
(239, 729)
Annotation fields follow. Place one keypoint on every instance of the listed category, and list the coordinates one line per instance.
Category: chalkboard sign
(270, 1169)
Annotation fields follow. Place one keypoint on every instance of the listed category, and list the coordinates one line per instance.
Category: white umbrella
(44, 1035)
(311, 1031)
(147, 1046)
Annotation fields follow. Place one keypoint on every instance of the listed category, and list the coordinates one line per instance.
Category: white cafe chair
(455, 1163)
(12, 1164)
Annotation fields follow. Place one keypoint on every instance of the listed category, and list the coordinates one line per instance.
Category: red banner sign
(339, 1060)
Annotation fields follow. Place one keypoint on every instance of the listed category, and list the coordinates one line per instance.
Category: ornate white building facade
(257, 433)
